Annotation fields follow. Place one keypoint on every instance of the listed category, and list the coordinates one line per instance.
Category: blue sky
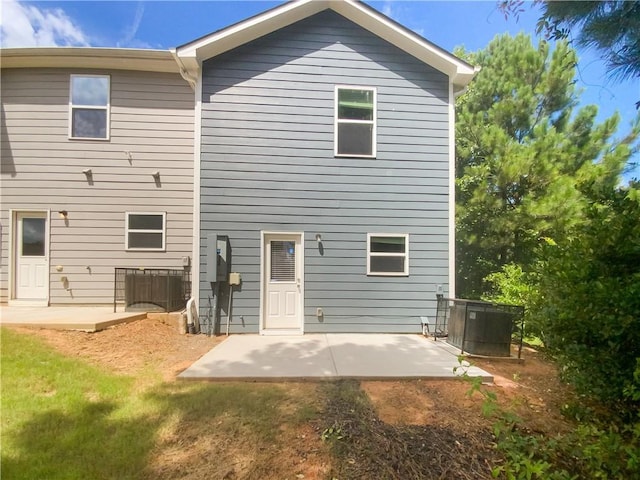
(167, 24)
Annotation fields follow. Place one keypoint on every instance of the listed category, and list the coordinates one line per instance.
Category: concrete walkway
(88, 319)
(328, 356)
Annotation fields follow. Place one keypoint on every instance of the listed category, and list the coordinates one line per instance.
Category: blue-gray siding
(268, 164)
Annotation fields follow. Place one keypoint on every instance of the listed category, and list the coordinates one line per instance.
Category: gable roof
(191, 55)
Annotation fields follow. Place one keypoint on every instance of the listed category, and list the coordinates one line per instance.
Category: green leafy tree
(524, 156)
(513, 286)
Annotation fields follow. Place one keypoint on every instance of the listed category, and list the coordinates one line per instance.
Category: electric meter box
(218, 250)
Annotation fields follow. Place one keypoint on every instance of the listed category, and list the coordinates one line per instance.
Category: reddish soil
(148, 347)
(130, 348)
(530, 388)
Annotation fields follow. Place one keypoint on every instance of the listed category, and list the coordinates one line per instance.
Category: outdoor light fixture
(87, 172)
(320, 245)
(156, 175)
(63, 214)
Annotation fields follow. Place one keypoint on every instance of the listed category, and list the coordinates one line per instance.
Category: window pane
(145, 222)
(355, 104)
(355, 139)
(89, 123)
(387, 264)
(387, 244)
(33, 233)
(90, 91)
(145, 240)
(283, 261)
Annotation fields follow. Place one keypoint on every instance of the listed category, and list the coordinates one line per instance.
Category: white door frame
(263, 286)
(13, 258)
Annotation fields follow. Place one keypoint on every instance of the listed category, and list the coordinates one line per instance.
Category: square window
(89, 101)
(355, 122)
(387, 254)
(145, 231)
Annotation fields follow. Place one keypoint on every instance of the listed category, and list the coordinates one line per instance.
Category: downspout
(184, 72)
(193, 325)
(460, 92)
(192, 79)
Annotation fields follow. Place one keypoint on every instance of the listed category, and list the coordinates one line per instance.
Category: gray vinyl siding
(151, 117)
(268, 164)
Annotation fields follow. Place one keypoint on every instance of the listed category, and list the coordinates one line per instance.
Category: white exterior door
(282, 284)
(31, 253)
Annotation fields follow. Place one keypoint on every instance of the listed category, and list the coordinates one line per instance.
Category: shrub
(591, 310)
(513, 286)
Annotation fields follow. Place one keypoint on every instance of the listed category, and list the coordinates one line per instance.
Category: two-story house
(97, 170)
(323, 152)
(325, 134)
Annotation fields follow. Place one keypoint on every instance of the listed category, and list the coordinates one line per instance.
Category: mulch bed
(366, 447)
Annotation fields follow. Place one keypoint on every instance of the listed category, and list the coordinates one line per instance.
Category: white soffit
(192, 54)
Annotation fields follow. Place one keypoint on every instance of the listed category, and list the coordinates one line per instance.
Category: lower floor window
(387, 254)
(145, 231)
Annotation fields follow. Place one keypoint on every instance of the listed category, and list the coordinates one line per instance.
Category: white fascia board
(246, 31)
(192, 54)
(460, 72)
(89, 57)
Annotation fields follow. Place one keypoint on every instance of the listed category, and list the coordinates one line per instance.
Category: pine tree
(525, 156)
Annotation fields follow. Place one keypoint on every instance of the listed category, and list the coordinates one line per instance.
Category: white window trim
(135, 230)
(370, 254)
(106, 108)
(373, 122)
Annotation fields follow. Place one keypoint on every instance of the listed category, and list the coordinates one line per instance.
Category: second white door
(31, 257)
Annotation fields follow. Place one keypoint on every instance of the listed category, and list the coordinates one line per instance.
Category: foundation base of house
(71, 317)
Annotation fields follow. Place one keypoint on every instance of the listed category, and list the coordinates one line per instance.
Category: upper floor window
(89, 106)
(355, 122)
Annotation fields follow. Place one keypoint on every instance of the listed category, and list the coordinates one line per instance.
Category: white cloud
(29, 26)
(129, 39)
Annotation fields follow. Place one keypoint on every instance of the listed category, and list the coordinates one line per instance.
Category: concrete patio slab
(327, 356)
(88, 319)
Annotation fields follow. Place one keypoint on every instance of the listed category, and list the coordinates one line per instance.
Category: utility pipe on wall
(229, 308)
(191, 316)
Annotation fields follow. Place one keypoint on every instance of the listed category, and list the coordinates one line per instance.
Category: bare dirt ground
(130, 348)
(531, 389)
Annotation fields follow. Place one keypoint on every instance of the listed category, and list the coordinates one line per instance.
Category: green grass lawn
(65, 419)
